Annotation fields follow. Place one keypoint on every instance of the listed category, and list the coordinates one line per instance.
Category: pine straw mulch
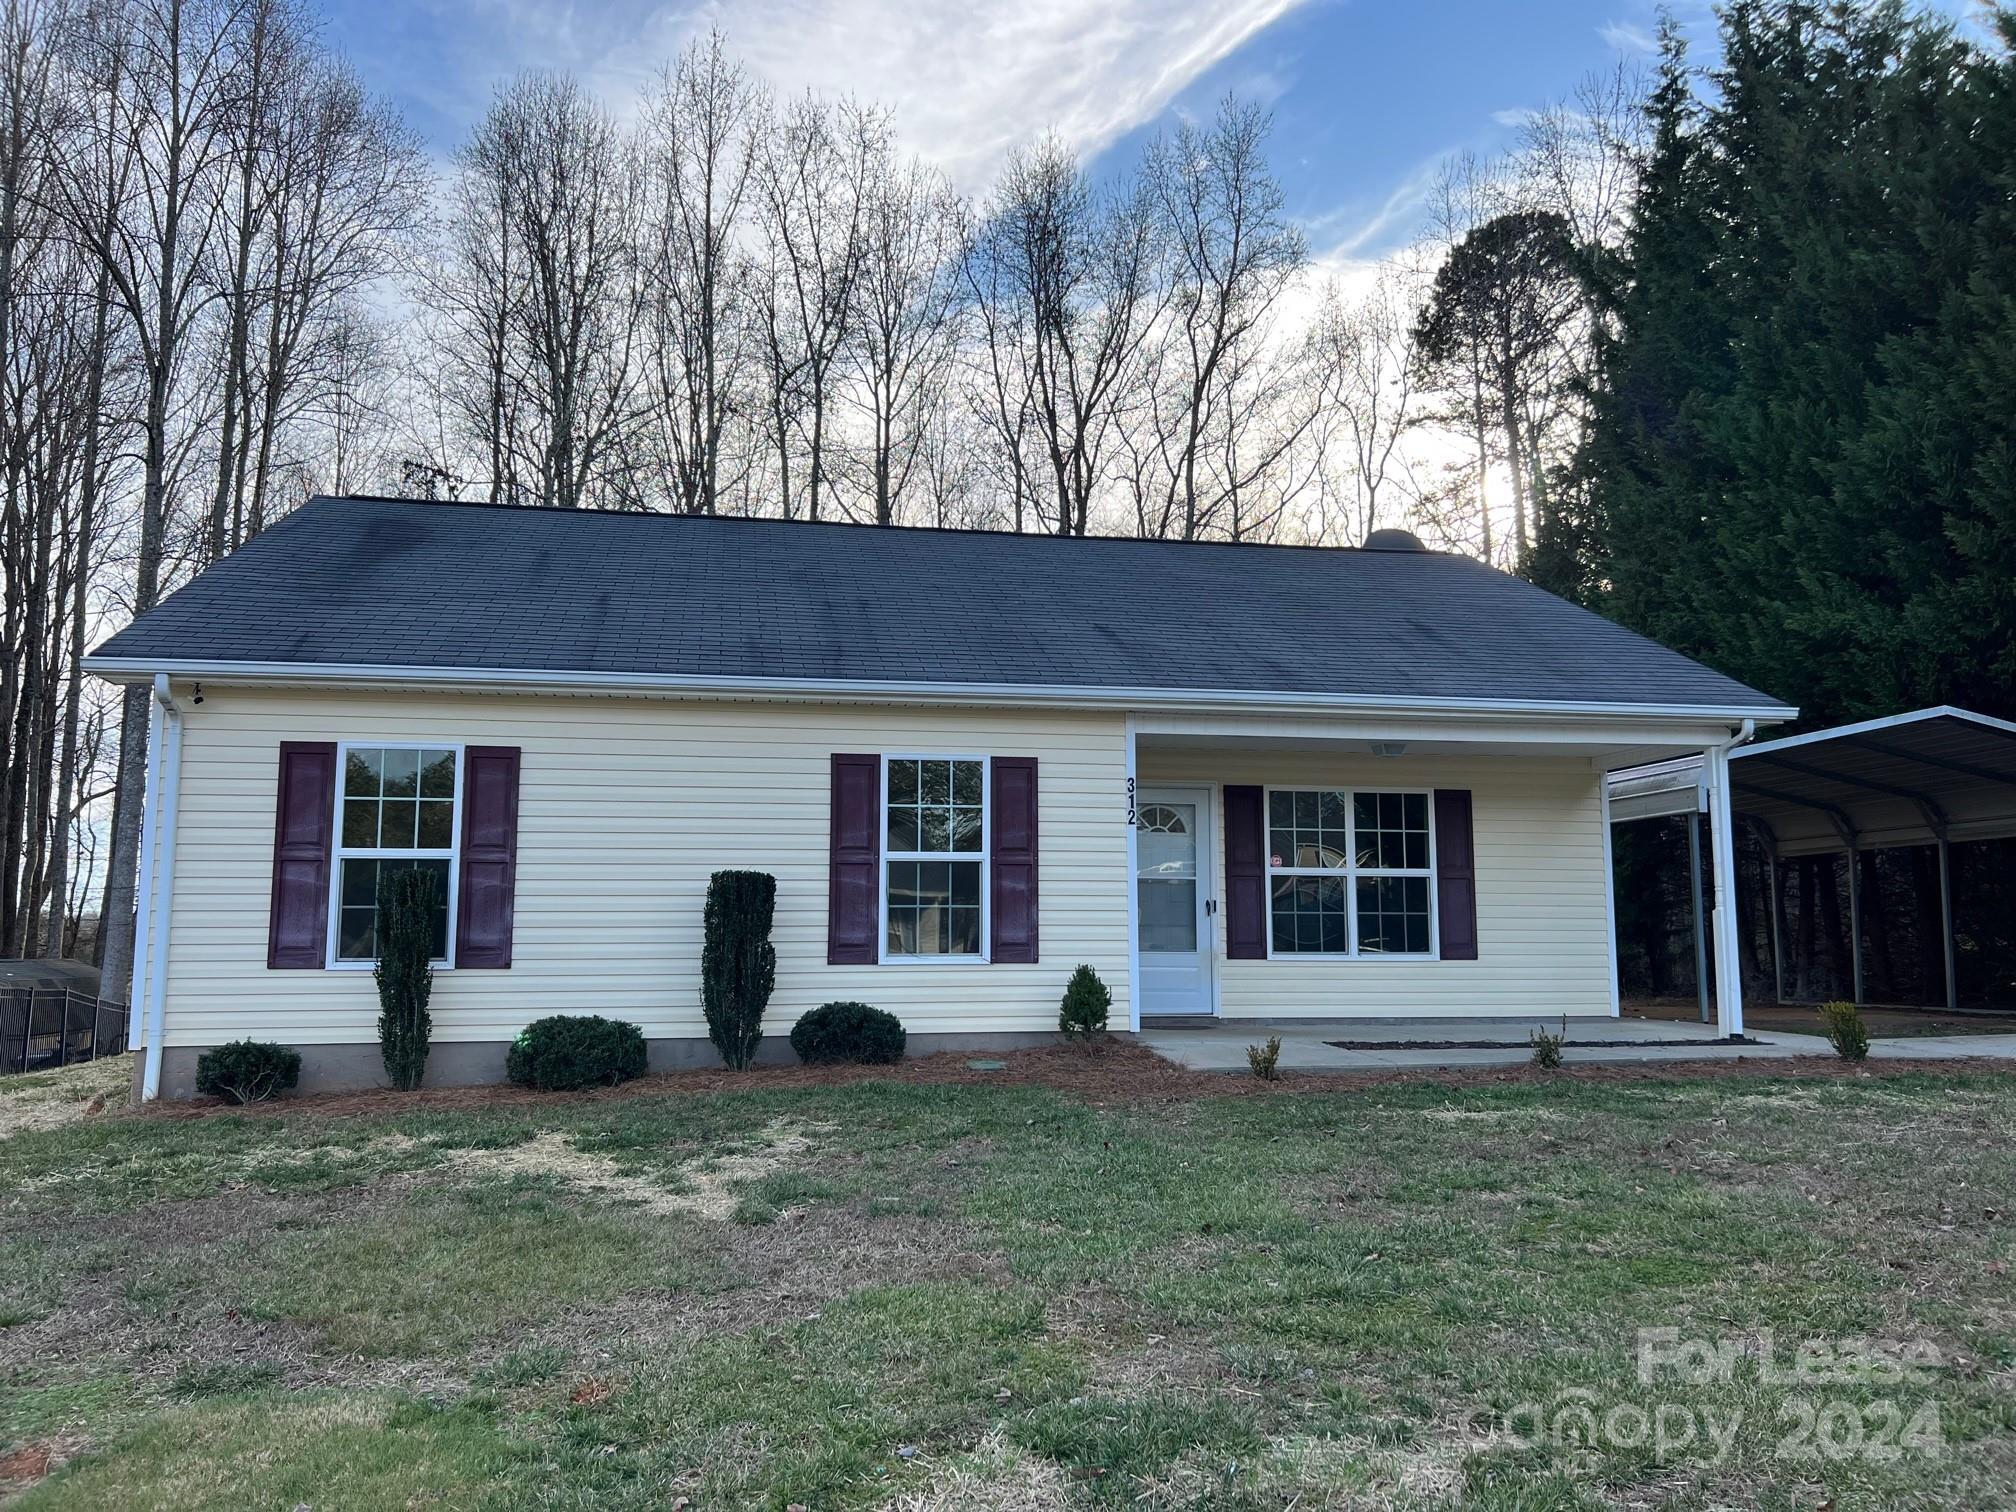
(1115, 1071)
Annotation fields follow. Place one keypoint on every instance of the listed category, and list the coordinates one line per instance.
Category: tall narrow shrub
(405, 971)
(738, 964)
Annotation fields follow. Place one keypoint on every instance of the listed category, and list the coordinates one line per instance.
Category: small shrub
(405, 972)
(1087, 1000)
(1845, 1030)
(1547, 1047)
(1264, 1061)
(567, 1052)
(738, 964)
(849, 1032)
(247, 1071)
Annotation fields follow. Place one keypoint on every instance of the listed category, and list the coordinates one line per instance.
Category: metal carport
(1930, 777)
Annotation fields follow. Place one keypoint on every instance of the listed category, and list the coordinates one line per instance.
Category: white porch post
(1722, 856)
(1610, 899)
(1133, 890)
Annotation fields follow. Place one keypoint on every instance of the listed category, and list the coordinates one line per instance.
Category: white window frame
(1351, 871)
(339, 851)
(985, 856)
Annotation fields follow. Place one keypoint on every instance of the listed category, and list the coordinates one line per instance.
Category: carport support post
(1694, 883)
(1855, 916)
(1777, 923)
(1722, 855)
(1946, 920)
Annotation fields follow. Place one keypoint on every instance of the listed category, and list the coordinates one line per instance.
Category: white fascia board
(798, 689)
(1614, 735)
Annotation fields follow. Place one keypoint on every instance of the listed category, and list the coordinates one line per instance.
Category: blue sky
(1368, 94)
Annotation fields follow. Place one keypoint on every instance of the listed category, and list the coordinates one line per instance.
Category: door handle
(1210, 908)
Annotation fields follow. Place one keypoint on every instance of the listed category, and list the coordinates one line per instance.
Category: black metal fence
(43, 1027)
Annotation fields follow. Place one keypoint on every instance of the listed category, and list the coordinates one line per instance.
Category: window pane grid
(1350, 873)
(396, 812)
(935, 808)
(935, 855)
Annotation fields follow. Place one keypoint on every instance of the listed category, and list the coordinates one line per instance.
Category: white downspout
(1722, 840)
(168, 744)
(143, 900)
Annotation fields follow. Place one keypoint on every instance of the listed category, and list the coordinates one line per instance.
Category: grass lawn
(1002, 1296)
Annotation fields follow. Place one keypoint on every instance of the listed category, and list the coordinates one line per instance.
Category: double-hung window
(934, 878)
(1350, 873)
(397, 809)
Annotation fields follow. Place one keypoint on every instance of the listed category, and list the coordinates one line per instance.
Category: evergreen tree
(1799, 462)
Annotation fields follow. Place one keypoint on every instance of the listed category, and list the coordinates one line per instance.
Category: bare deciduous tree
(1232, 252)
(811, 166)
(1063, 283)
(904, 327)
(697, 314)
(1364, 355)
(168, 80)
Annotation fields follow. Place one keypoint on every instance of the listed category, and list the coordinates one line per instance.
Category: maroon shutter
(486, 892)
(304, 830)
(854, 868)
(1455, 875)
(1013, 905)
(1245, 874)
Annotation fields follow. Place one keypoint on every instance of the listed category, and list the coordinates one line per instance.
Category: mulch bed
(1115, 1071)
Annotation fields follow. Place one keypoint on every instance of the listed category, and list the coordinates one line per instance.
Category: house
(1253, 782)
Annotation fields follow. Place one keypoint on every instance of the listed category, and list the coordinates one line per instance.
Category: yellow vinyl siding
(1543, 921)
(625, 809)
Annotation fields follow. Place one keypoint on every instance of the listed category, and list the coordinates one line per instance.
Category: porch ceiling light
(1389, 748)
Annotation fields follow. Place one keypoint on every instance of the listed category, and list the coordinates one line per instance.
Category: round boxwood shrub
(247, 1071)
(570, 1051)
(849, 1032)
(1087, 1001)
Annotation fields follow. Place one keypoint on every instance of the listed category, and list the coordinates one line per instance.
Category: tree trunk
(1483, 454)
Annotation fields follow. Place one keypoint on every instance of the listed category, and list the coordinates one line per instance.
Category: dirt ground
(1882, 1022)
(50, 1099)
(1114, 1071)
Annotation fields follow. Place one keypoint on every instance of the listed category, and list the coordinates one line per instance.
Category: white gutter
(1028, 695)
(167, 744)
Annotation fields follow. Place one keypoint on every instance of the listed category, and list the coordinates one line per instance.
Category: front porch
(1368, 870)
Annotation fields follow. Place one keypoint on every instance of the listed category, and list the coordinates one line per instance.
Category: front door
(1172, 882)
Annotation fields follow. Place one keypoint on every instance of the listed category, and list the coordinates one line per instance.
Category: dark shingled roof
(405, 583)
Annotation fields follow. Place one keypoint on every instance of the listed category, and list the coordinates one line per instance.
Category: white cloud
(1628, 37)
(968, 83)
(1356, 233)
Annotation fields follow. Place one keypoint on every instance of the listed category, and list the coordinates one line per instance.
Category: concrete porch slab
(1305, 1047)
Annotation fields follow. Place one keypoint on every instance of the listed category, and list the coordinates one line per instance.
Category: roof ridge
(925, 530)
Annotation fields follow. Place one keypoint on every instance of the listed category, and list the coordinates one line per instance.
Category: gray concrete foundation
(352, 1068)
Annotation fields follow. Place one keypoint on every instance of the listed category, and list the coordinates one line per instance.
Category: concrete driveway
(1384, 1044)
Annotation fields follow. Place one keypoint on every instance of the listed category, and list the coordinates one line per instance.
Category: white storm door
(1172, 848)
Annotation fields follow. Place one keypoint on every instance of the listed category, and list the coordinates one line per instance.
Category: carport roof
(1901, 780)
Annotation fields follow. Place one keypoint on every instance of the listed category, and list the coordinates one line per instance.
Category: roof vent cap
(1393, 540)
